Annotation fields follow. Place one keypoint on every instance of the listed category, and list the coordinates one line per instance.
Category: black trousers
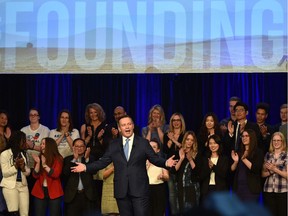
(276, 203)
(80, 206)
(157, 199)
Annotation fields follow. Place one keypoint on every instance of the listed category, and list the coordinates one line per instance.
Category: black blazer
(230, 141)
(254, 174)
(220, 170)
(130, 177)
(72, 180)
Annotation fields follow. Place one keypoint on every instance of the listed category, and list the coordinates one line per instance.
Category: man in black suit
(262, 110)
(131, 183)
(80, 193)
(234, 132)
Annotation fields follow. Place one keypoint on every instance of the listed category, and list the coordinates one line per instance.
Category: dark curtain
(192, 94)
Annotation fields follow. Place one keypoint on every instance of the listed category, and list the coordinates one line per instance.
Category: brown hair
(99, 110)
(252, 144)
(194, 148)
(51, 152)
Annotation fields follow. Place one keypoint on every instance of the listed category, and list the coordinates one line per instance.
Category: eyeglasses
(277, 141)
(174, 120)
(239, 110)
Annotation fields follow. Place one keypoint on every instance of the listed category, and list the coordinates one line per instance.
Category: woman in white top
(14, 168)
(34, 132)
(64, 134)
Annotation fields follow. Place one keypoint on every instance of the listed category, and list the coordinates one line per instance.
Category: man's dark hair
(263, 106)
(74, 141)
(240, 103)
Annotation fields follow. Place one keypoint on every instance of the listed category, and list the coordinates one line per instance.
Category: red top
(53, 181)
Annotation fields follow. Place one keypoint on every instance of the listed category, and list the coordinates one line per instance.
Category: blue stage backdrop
(192, 94)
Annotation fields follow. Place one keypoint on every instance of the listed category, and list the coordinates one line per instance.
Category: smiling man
(129, 154)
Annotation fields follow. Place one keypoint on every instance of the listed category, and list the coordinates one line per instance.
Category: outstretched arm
(171, 162)
(79, 168)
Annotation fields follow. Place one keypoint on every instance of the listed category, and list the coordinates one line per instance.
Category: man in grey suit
(131, 183)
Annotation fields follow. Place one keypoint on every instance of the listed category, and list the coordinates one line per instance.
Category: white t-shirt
(63, 147)
(35, 136)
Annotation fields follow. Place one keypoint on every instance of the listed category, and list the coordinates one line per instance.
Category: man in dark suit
(80, 193)
(262, 110)
(131, 183)
(234, 132)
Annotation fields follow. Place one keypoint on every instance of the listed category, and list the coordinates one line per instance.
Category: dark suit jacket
(220, 169)
(129, 177)
(266, 140)
(253, 175)
(72, 180)
(230, 141)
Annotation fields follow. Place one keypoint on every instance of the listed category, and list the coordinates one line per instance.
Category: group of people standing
(165, 166)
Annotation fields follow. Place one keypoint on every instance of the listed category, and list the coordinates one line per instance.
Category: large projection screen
(136, 36)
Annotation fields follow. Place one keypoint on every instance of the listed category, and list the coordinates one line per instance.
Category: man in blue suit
(131, 183)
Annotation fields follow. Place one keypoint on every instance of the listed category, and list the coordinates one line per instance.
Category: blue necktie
(126, 148)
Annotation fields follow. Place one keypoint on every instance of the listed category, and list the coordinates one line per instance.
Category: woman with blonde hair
(275, 170)
(156, 124)
(171, 145)
(188, 173)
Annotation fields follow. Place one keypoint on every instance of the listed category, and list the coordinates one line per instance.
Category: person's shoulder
(24, 129)
(54, 131)
(144, 128)
(7, 151)
(116, 141)
(68, 158)
(75, 130)
(44, 127)
(252, 125)
(140, 138)
(83, 126)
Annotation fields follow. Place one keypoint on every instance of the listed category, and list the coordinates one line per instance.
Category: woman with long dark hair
(209, 127)
(47, 189)
(247, 167)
